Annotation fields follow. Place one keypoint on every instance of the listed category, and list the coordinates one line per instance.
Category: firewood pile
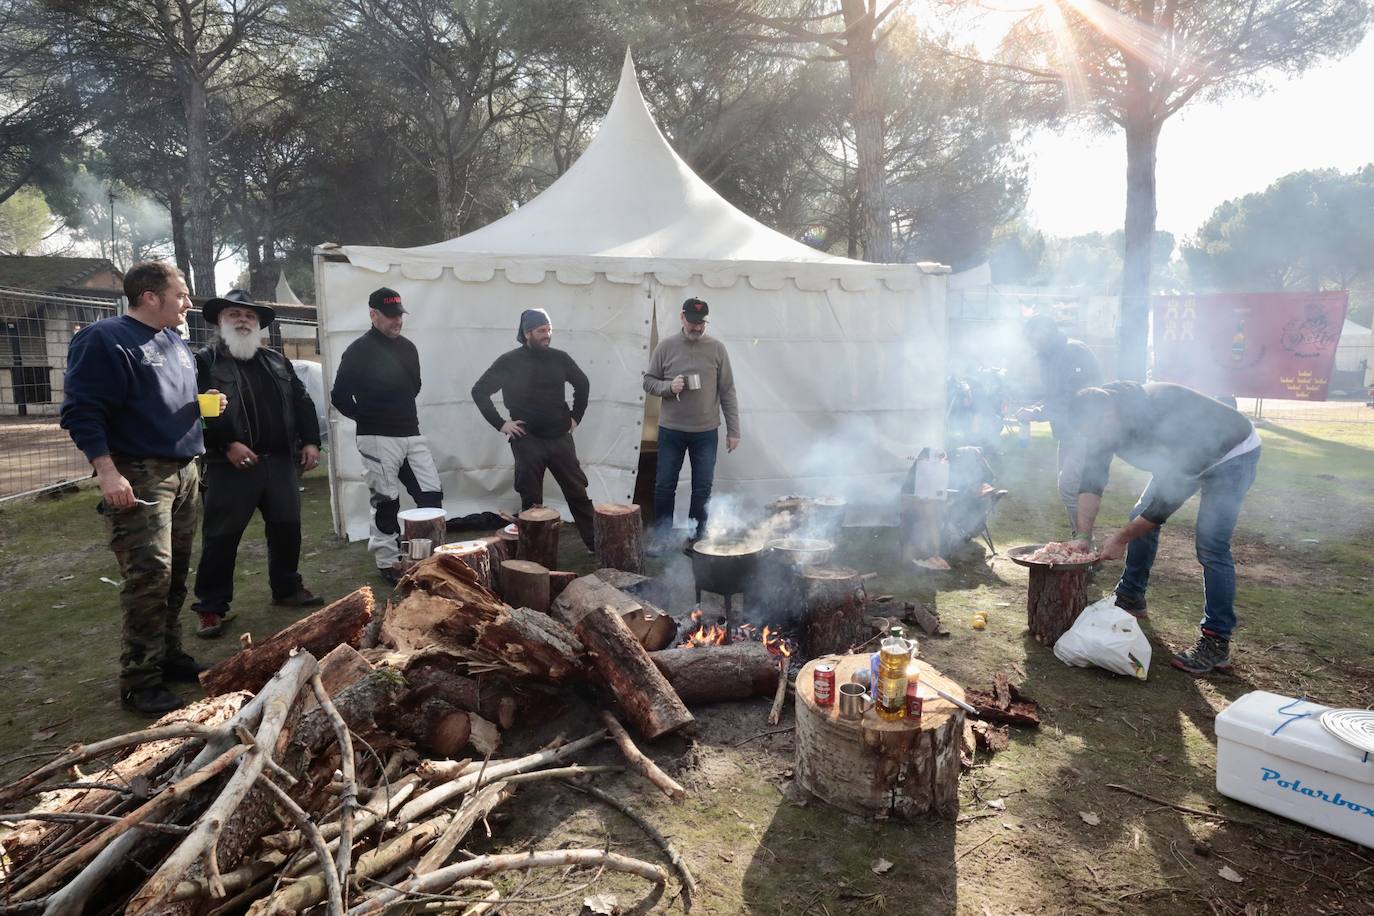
(345, 763)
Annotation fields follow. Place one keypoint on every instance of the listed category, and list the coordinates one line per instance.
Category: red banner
(1250, 345)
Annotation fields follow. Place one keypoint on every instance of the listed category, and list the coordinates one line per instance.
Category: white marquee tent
(839, 364)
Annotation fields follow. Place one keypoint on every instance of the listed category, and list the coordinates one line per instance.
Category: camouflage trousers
(153, 547)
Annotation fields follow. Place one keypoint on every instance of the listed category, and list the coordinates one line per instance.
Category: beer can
(913, 699)
(823, 685)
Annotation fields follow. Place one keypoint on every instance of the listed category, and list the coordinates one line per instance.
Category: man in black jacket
(1189, 443)
(376, 385)
(532, 380)
(252, 455)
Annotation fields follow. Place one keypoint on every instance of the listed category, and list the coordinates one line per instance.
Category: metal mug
(694, 382)
(417, 548)
(853, 701)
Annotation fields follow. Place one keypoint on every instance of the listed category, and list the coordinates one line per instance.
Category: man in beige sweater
(691, 373)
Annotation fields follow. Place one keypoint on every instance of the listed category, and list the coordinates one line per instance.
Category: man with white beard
(254, 455)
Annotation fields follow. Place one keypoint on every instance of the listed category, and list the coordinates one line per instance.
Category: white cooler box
(1296, 770)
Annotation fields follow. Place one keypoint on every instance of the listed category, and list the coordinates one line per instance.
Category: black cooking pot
(725, 565)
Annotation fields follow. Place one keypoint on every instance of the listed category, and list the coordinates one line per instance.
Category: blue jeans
(673, 446)
(1223, 490)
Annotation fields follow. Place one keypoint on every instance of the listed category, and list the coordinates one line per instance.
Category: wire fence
(36, 454)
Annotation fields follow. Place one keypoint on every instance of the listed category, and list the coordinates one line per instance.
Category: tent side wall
(459, 327)
(839, 369)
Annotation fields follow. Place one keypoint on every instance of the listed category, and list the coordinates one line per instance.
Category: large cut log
(878, 767)
(539, 527)
(714, 673)
(1054, 600)
(647, 698)
(476, 555)
(342, 667)
(834, 619)
(589, 592)
(423, 621)
(447, 576)
(531, 643)
(251, 668)
(525, 583)
(619, 537)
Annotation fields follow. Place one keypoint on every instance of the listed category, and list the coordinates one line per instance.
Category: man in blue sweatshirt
(131, 407)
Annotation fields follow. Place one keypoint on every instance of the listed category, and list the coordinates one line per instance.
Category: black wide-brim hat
(236, 298)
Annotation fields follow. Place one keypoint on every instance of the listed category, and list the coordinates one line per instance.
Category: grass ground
(1021, 844)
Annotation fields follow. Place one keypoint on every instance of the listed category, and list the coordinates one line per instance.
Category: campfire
(702, 634)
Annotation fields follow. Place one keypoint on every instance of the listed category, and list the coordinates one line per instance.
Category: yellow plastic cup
(209, 404)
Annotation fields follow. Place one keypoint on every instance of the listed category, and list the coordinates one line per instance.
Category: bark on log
(476, 555)
(834, 597)
(525, 583)
(531, 643)
(1005, 704)
(339, 669)
(339, 623)
(877, 767)
(539, 526)
(1054, 600)
(619, 537)
(717, 673)
(644, 693)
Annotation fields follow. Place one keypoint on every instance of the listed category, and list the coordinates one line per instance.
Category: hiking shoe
(301, 597)
(1133, 606)
(183, 669)
(152, 701)
(212, 624)
(392, 574)
(1209, 653)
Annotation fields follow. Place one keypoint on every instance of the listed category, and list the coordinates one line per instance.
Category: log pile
(266, 802)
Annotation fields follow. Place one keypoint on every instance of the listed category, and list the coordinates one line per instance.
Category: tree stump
(619, 537)
(538, 527)
(423, 523)
(476, 556)
(1054, 600)
(525, 584)
(834, 616)
(903, 768)
(559, 580)
(649, 701)
(501, 546)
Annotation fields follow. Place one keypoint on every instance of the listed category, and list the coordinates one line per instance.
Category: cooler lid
(1290, 729)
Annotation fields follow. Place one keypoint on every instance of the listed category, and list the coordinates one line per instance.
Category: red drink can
(823, 685)
(913, 700)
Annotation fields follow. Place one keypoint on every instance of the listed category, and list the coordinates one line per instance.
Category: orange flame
(774, 643)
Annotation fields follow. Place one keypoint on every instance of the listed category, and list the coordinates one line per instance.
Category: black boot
(183, 669)
(153, 701)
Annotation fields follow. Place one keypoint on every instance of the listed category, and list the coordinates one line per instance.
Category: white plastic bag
(1106, 636)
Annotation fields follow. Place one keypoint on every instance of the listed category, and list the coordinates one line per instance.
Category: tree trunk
(619, 537)
(645, 695)
(1054, 599)
(834, 610)
(711, 674)
(861, 60)
(525, 583)
(1142, 141)
(180, 248)
(200, 233)
(539, 528)
(902, 768)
